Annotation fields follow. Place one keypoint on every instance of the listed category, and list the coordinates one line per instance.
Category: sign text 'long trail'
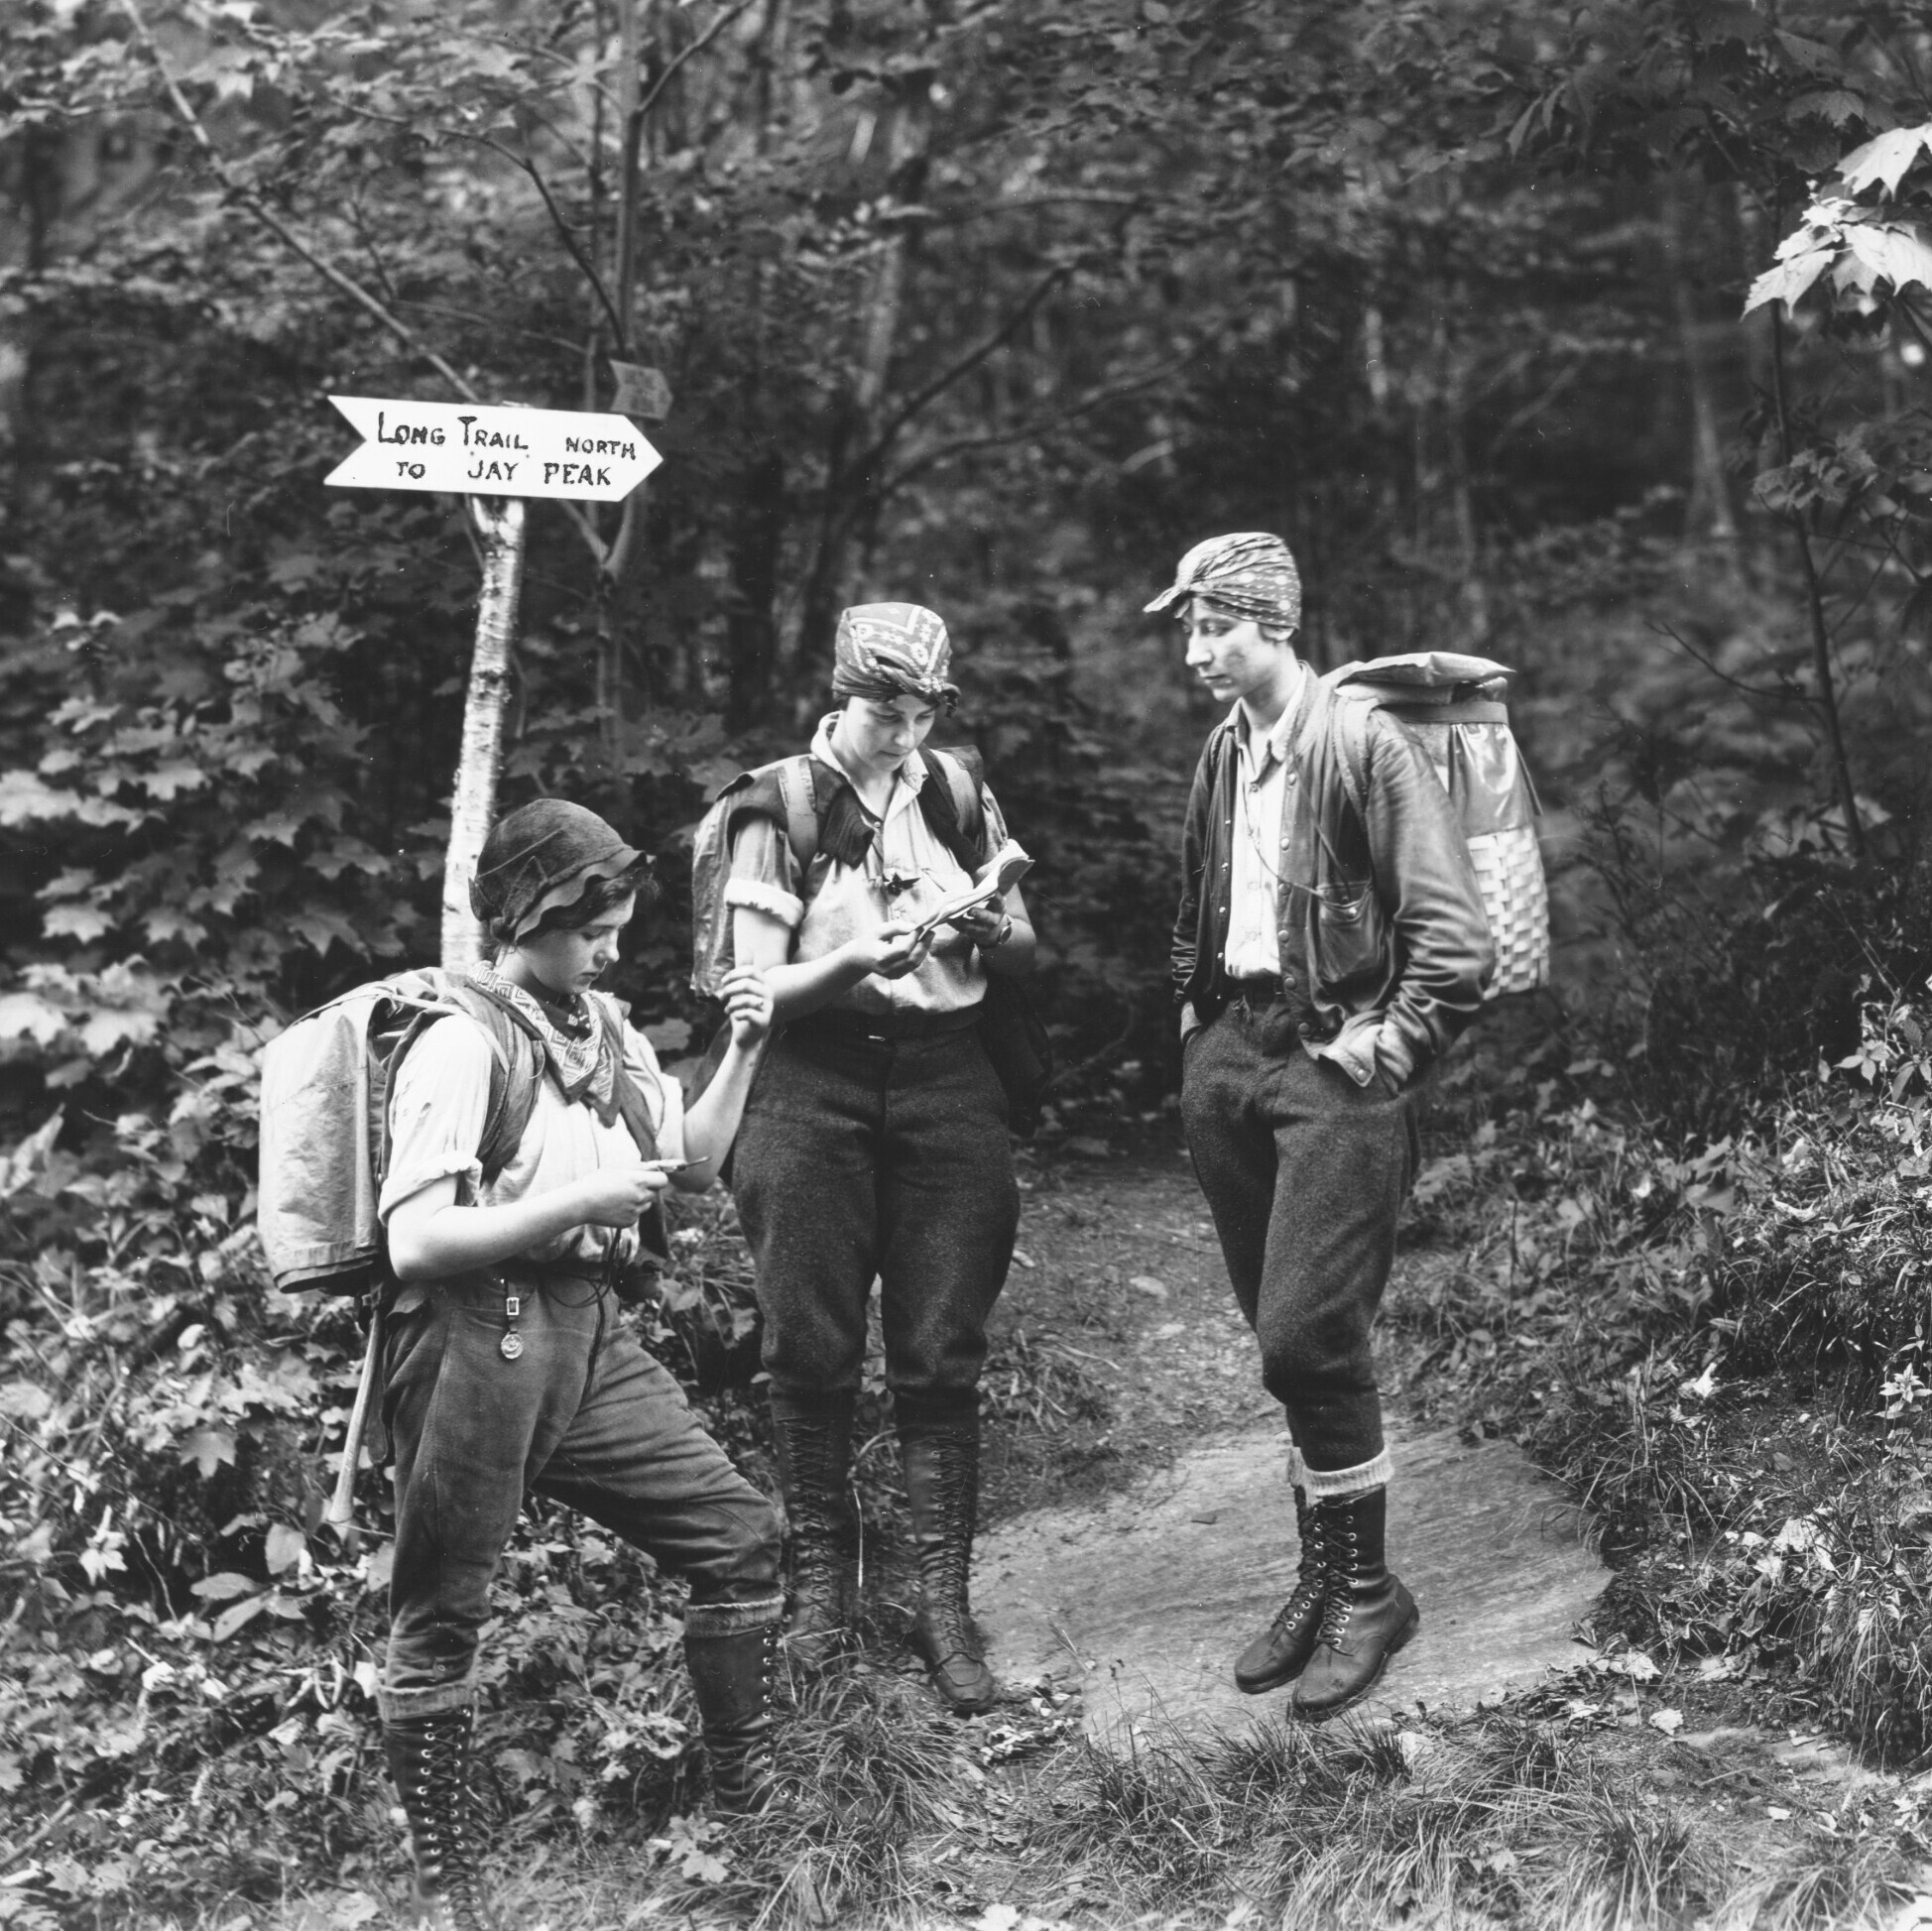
(479, 449)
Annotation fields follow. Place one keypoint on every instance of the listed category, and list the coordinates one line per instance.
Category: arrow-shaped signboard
(478, 450)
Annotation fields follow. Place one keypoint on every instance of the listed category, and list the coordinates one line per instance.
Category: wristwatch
(1000, 936)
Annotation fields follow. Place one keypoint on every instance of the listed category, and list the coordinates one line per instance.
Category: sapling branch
(1821, 642)
(246, 198)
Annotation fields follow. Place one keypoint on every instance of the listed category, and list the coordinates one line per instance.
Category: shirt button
(1307, 1028)
(1292, 776)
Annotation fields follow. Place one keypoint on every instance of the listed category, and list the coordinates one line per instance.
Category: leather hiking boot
(1368, 1616)
(942, 1496)
(814, 1437)
(731, 1679)
(430, 1760)
(1281, 1653)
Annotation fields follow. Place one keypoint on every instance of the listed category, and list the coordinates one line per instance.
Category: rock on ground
(1144, 1599)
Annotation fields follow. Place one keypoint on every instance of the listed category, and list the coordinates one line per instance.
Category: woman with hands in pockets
(507, 1371)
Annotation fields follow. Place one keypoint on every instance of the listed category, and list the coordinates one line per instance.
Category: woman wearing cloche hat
(505, 1371)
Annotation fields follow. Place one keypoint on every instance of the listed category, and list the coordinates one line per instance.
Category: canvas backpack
(1457, 707)
(325, 1129)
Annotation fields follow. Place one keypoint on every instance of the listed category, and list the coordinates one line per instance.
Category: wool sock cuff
(1343, 1485)
(732, 1619)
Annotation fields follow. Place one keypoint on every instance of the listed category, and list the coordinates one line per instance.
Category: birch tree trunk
(498, 523)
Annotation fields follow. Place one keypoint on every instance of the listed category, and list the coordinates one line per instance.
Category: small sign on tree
(494, 456)
(475, 449)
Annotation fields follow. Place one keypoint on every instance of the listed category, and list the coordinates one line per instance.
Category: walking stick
(341, 1505)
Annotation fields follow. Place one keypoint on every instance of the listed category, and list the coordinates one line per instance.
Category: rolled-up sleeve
(763, 875)
(439, 1106)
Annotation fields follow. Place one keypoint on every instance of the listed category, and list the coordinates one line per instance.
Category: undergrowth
(1722, 1347)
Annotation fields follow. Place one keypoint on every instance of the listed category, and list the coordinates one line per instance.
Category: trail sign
(475, 449)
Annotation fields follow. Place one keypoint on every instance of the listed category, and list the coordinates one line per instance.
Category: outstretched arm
(712, 1120)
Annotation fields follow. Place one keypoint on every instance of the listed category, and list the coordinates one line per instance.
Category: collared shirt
(441, 1104)
(905, 870)
(1262, 806)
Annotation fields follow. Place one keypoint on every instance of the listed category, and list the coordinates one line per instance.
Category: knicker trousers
(1305, 1173)
(583, 1415)
(887, 1157)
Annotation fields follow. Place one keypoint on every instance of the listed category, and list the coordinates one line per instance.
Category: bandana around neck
(584, 1068)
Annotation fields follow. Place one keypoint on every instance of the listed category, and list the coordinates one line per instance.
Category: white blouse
(441, 1102)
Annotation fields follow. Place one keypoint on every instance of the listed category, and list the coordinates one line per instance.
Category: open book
(990, 883)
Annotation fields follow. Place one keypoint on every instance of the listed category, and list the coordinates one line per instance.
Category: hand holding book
(991, 884)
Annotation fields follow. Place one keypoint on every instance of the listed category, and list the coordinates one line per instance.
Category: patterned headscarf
(893, 650)
(540, 857)
(1248, 574)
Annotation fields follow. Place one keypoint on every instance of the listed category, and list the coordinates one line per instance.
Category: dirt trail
(1136, 1563)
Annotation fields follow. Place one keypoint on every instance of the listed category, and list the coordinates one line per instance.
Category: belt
(843, 1023)
(1255, 992)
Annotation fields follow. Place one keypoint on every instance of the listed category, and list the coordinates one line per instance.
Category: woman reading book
(874, 1141)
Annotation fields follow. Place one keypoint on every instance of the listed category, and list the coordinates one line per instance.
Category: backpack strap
(951, 803)
(822, 812)
(1348, 721)
(798, 788)
(515, 1076)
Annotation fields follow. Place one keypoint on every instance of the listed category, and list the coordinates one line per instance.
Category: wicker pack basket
(1456, 706)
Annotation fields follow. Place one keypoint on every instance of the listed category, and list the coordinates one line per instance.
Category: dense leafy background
(997, 306)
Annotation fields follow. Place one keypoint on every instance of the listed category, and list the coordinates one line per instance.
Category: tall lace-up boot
(1368, 1615)
(942, 1470)
(1281, 1653)
(731, 1678)
(430, 1758)
(814, 1434)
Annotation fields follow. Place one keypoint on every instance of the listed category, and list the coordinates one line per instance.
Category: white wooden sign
(477, 450)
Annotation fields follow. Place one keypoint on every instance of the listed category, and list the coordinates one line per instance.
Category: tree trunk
(751, 631)
(1709, 511)
(847, 488)
(500, 524)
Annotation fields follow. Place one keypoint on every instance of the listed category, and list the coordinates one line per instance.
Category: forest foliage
(1597, 343)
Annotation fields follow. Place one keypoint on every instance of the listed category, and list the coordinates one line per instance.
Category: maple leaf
(1884, 159)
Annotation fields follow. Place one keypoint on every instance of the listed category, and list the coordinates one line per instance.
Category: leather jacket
(1384, 945)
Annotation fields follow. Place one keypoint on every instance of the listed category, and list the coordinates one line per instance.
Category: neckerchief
(585, 1069)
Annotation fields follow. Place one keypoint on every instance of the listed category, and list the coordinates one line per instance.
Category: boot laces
(818, 1565)
(1311, 1578)
(468, 1910)
(947, 1567)
(1339, 1604)
(438, 1806)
